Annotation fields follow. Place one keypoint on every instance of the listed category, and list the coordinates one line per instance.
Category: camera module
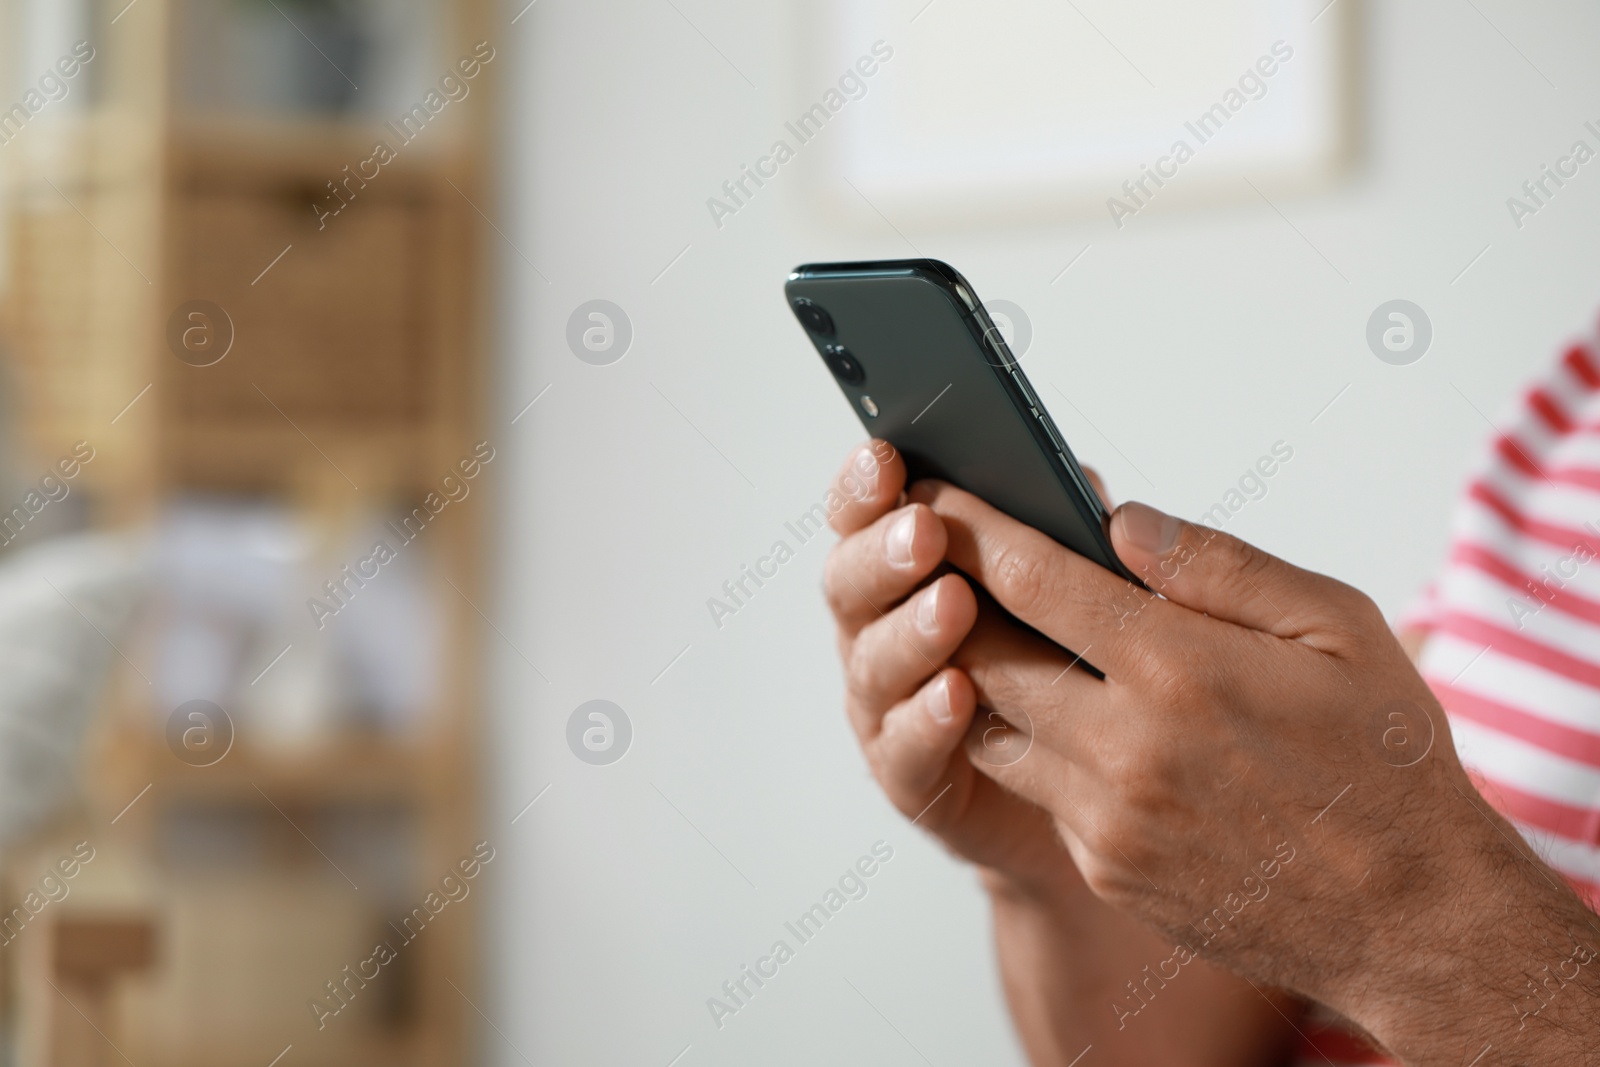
(845, 367)
(812, 317)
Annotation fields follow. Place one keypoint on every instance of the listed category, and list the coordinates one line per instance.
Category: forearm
(1077, 973)
(1504, 970)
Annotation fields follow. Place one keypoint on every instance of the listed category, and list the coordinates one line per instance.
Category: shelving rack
(357, 361)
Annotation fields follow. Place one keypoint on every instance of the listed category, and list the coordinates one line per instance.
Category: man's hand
(1067, 958)
(898, 623)
(1262, 775)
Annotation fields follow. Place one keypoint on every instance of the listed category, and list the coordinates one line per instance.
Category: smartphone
(926, 369)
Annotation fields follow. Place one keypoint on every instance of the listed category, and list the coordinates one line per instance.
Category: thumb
(1212, 572)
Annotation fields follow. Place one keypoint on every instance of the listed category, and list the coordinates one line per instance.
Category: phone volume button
(1022, 383)
(1050, 429)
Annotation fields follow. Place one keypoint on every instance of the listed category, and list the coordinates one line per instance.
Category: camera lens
(845, 366)
(813, 318)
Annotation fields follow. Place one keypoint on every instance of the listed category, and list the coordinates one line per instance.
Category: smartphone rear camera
(813, 318)
(845, 367)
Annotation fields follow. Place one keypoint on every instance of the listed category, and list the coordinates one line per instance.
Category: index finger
(1074, 602)
(866, 487)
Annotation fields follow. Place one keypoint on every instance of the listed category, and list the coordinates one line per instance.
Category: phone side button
(1027, 391)
(1050, 429)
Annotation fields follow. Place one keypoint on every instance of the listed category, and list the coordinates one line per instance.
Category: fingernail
(928, 609)
(1147, 528)
(866, 464)
(939, 700)
(898, 543)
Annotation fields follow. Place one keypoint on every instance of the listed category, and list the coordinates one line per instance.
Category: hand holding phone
(926, 369)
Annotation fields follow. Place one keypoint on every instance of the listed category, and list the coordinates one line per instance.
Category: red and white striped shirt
(1513, 632)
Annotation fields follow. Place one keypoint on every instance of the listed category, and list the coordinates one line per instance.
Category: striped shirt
(1513, 633)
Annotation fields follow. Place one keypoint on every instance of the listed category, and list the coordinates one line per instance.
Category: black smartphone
(927, 370)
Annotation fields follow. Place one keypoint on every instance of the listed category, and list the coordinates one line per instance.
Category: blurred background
(390, 388)
(245, 383)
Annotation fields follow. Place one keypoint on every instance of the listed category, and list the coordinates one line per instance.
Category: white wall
(1193, 339)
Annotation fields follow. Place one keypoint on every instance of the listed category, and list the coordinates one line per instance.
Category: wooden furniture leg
(87, 955)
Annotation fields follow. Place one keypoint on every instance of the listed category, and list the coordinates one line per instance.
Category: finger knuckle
(1101, 877)
(1147, 796)
(865, 674)
(1354, 621)
(1247, 561)
(877, 764)
(1022, 582)
(1137, 635)
(887, 774)
(1179, 675)
(1120, 763)
(998, 688)
(1360, 608)
(1110, 875)
(836, 589)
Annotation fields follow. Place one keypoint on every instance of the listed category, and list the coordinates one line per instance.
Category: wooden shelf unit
(366, 337)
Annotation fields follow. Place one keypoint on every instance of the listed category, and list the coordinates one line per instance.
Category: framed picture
(1066, 108)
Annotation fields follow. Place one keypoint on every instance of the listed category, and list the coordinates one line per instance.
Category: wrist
(1495, 951)
(1415, 965)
